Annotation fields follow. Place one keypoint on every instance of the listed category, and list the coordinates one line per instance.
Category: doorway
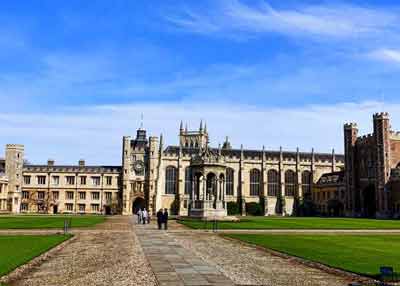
(138, 203)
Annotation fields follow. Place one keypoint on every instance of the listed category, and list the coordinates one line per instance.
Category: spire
(205, 127)
(141, 121)
(227, 144)
(181, 126)
(161, 143)
(201, 126)
(186, 128)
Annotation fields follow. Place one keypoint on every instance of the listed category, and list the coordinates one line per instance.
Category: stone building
(54, 188)
(195, 179)
(191, 178)
(329, 194)
(372, 169)
(3, 192)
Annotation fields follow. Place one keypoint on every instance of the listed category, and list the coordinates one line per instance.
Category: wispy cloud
(333, 21)
(95, 133)
(389, 55)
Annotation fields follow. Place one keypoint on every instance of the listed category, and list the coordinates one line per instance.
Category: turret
(382, 151)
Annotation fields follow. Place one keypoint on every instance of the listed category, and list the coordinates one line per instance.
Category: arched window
(170, 180)
(229, 181)
(255, 178)
(273, 183)
(290, 183)
(306, 180)
(188, 180)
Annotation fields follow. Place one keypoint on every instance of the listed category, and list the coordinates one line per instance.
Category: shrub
(233, 208)
(254, 209)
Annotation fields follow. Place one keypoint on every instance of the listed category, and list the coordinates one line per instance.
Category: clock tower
(135, 165)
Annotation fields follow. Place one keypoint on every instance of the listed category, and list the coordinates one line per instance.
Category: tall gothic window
(306, 180)
(229, 181)
(255, 179)
(170, 180)
(188, 180)
(273, 183)
(290, 183)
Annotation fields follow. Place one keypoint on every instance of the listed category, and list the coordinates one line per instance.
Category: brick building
(372, 169)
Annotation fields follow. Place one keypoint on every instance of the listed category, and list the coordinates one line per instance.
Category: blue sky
(76, 75)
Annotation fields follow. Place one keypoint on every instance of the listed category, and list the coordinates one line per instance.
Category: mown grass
(362, 254)
(297, 223)
(17, 250)
(42, 222)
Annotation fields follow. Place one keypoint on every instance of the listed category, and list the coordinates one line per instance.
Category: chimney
(81, 163)
(50, 162)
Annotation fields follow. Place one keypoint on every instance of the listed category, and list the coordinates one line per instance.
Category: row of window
(291, 184)
(69, 180)
(69, 195)
(326, 195)
(70, 207)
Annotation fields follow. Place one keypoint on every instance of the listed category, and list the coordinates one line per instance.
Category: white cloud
(337, 21)
(95, 133)
(389, 55)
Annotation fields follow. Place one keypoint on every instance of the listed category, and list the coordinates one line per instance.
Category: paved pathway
(174, 265)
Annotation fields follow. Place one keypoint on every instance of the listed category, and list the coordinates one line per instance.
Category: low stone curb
(22, 270)
(295, 259)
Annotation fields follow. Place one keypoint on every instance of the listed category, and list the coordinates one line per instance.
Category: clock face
(138, 166)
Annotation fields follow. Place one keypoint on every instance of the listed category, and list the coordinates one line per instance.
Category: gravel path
(96, 257)
(247, 265)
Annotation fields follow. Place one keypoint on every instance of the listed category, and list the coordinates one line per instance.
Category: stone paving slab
(173, 264)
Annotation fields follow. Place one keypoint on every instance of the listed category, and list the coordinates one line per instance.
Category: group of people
(162, 218)
(143, 217)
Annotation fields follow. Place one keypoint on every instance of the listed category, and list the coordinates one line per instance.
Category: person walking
(165, 218)
(160, 218)
(139, 216)
(145, 216)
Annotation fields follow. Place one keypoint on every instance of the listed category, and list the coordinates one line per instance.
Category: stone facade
(191, 178)
(3, 192)
(329, 194)
(173, 179)
(372, 170)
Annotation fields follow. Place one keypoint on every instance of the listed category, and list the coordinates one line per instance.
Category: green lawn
(39, 221)
(17, 250)
(298, 223)
(362, 254)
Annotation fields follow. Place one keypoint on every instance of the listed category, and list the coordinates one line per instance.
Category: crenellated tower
(382, 159)
(350, 138)
(14, 165)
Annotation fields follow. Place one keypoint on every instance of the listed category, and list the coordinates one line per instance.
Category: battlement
(381, 115)
(395, 135)
(351, 125)
(365, 138)
(14, 146)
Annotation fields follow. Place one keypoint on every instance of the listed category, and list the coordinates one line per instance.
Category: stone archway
(211, 183)
(138, 203)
